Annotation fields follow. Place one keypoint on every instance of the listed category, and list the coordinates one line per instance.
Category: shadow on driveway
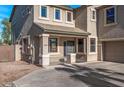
(94, 77)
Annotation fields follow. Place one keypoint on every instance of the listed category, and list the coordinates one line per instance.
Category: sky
(5, 12)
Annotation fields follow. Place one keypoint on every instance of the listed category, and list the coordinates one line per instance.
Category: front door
(69, 47)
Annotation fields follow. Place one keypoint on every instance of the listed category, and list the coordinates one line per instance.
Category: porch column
(43, 50)
(85, 45)
(33, 52)
(22, 46)
(17, 52)
(102, 51)
(76, 45)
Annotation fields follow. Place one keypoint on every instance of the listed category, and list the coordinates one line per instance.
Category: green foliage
(1, 42)
(6, 33)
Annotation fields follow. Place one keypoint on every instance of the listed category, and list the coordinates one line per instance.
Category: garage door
(114, 51)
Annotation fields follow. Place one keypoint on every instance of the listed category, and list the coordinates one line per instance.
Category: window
(57, 15)
(80, 45)
(53, 44)
(69, 16)
(92, 45)
(93, 14)
(44, 11)
(110, 15)
(70, 47)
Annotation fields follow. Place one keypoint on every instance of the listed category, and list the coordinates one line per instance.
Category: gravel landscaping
(10, 71)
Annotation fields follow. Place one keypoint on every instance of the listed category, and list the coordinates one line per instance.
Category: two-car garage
(113, 51)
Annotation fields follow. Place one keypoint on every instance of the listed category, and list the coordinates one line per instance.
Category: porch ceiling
(53, 29)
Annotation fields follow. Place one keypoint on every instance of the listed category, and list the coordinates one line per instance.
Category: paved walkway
(99, 74)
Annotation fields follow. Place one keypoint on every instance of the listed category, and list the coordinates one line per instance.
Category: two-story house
(110, 25)
(48, 33)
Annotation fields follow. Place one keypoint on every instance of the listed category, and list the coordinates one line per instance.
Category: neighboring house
(47, 34)
(110, 26)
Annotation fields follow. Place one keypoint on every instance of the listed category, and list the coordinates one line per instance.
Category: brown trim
(69, 36)
(112, 39)
(66, 33)
(13, 11)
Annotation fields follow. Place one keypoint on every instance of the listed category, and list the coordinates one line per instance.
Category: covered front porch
(62, 46)
(57, 48)
(52, 44)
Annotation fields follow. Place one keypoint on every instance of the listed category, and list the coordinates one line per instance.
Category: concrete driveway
(97, 74)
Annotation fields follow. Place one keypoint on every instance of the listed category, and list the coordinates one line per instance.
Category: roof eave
(62, 7)
(12, 13)
(102, 6)
(66, 32)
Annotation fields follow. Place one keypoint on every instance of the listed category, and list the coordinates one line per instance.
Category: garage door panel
(114, 51)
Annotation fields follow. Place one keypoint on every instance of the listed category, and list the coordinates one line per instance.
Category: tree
(6, 33)
(0, 41)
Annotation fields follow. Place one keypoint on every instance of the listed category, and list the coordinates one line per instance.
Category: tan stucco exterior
(51, 17)
(17, 52)
(58, 56)
(111, 37)
(80, 16)
(91, 28)
(39, 31)
(112, 31)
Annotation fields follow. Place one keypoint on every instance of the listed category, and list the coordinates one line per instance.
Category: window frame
(90, 52)
(57, 52)
(45, 18)
(55, 15)
(91, 15)
(115, 16)
(66, 16)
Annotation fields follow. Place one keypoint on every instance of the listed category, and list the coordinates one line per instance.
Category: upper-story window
(69, 16)
(57, 14)
(93, 14)
(44, 12)
(110, 15)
